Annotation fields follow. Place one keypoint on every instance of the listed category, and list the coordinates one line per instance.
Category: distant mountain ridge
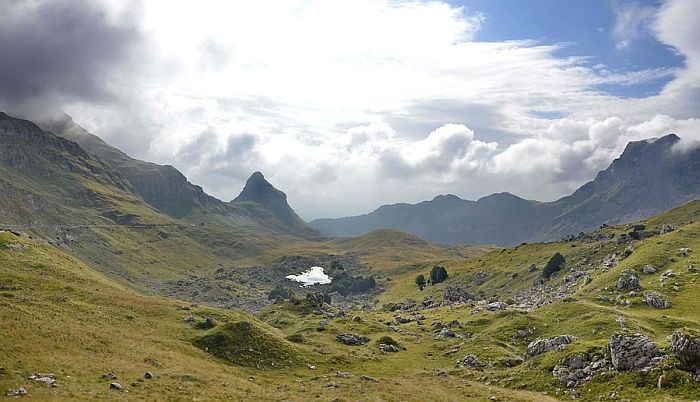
(168, 190)
(649, 177)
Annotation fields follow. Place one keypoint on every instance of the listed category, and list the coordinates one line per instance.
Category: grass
(59, 315)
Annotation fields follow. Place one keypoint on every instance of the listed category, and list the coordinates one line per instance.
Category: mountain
(168, 190)
(649, 177)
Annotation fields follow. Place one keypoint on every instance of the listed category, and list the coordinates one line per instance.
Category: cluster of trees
(437, 274)
(344, 283)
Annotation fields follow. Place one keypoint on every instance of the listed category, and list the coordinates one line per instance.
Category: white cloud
(348, 105)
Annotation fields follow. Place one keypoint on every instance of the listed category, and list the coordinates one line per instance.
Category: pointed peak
(258, 189)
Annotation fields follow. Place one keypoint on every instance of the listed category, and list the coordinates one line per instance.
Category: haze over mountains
(649, 177)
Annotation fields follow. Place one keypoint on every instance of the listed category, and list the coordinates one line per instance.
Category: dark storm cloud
(57, 50)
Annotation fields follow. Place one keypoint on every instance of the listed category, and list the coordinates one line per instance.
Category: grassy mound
(245, 344)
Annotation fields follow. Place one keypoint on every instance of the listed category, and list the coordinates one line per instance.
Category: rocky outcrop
(628, 280)
(632, 352)
(576, 370)
(456, 293)
(543, 345)
(685, 345)
(352, 339)
(656, 300)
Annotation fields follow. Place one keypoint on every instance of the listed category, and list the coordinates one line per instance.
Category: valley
(108, 292)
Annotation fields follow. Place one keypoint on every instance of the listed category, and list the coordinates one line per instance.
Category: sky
(348, 105)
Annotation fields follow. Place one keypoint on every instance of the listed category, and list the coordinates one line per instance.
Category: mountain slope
(168, 190)
(648, 178)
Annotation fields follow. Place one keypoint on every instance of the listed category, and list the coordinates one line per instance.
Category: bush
(387, 340)
(344, 284)
(554, 265)
(420, 281)
(296, 338)
(438, 274)
(279, 292)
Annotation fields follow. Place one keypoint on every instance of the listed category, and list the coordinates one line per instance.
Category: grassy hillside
(58, 315)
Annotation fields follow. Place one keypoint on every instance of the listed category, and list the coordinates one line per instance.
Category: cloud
(632, 20)
(345, 105)
(59, 51)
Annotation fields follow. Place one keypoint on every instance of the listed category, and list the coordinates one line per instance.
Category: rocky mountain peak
(259, 190)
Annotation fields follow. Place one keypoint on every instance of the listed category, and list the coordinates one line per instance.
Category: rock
(470, 361)
(368, 378)
(341, 374)
(388, 348)
(532, 268)
(543, 345)
(667, 229)
(356, 318)
(352, 339)
(48, 379)
(316, 299)
(691, 268)
(440, 373)
(189, 318)
(16, 392)
(628, 280)
(456, 293)
(632, 352)
(684, 252)
(480, 278)
(115, 385)
(686, 346)
(109, 376)
(148, 375)
(402, 320)
(649, 269)
(446, 333)
(454, 324)
(656, 300)
(495, 306)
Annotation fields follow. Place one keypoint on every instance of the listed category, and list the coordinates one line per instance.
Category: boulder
(456, 293)
(352, 339)
(686, 346)
(388, 348)
(109, 376)
(48, 379)
(16, 392)
(628, 280)
(471, 361)
(446, 333)
(368, 378)
(480, 278)
(115, 385)
(315, 299)
(656, 300)
(148, 375)
(649, 269)
(632, 352)
(495, 306)
(543, 345)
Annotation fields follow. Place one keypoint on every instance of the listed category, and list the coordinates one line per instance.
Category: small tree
(420, 281)
(553, 265)
(438, 274)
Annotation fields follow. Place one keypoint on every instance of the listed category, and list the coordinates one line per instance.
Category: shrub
(438, 274)
(554, 265)
(387, 340)
(296, 338)
(279, 292)
(420, 281)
